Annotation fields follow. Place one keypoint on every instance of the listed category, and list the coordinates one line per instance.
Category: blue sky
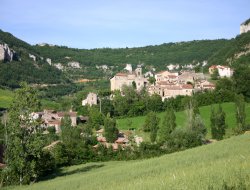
(121, 23)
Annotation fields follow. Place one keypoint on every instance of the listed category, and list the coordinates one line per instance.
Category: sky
(88, 24)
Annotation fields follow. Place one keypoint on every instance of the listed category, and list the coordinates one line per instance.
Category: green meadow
(181, 118)
(215, 166)
(6, 97)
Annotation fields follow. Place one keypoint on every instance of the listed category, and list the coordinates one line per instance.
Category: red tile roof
(187, 86)
(213, 67)
(101, 139)
(71, 114)
(172, 76)
(173, 88)
(121, 74)
(121, 140)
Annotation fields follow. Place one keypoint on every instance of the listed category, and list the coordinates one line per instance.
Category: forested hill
(25, 68)
(157, 56)
(84, 63)
(214, 51)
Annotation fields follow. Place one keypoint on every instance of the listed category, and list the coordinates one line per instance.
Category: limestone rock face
(6, 54)
(32, 57)
(74, 64)
(245, 26)
(59, 66)
(48, 60)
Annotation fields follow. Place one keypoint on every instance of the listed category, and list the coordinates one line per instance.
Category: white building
(224, 71)
(90, 100)
(129, 68)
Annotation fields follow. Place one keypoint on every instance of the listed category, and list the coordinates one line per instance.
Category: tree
(72, 142)
(193, 111)
(241, 77)
(134, 84)
(218, 124)
(151, 80)
(151, 124)
(24, 150)
(221, 123)
(213, 123)
(155, 103)
(168, 126)
(95, 118)
(215, 74)
(110, 130)
(240, 114)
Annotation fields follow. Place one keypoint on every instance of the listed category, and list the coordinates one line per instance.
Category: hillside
(104, 62)
(23, 67)
(219, 51)
(220, 165)
(6, 97)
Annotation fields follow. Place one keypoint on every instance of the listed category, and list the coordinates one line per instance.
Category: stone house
(90, 100)
(224, 71)
(121, 79)
(51, 118)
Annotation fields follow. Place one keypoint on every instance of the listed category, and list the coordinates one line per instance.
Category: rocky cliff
(245, 26)
(6, 54)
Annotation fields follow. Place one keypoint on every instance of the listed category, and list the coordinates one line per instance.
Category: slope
(24, 68)
(220, 165)
(181, 117)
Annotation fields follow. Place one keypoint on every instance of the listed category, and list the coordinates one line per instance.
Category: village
(167, 84)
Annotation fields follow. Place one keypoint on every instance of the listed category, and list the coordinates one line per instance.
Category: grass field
(181, 118)
(204, 167)
(5, 98)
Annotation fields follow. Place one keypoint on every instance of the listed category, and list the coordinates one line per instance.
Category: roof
(209, 85)
(121, 140)
(71, 114)
(172, 76)
(173, 88)
(122, 74)
(101, 139)
(163, 83)
(100, 131)
(213, 67)
(187, 86)
(218, 67)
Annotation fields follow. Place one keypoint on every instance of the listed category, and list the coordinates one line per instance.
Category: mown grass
(181, 118)
(206, 167)
(6, 97)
